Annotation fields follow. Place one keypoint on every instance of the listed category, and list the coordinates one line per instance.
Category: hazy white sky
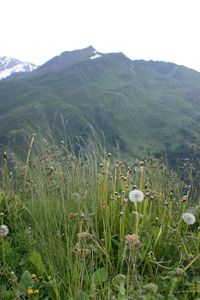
(37, 30)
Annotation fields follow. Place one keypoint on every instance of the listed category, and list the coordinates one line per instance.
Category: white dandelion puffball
(4, 230)
(136, 196)
(189, 218)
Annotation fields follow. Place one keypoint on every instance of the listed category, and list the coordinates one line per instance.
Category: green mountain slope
(139, 105)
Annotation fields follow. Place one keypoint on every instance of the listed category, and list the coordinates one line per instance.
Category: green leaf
(36, 260)
(26, 281)
(100, 276)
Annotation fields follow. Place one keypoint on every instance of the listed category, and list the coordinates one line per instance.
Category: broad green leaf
(26, 281)
(100, 276)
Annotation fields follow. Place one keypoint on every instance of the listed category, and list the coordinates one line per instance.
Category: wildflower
(29, 292)
(136, 196)
(132, 239)
(4, 230)
(189, 218)
(34, 276)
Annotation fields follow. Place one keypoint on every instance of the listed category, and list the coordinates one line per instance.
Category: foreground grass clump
(70, 231)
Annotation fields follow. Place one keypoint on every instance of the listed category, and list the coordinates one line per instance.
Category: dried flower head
(85, 251)
(189, 218)
(180, 272)
(136, 196)
(184, 199)
(132, 239)
(83, 235)
(4, 230)
(151, 288)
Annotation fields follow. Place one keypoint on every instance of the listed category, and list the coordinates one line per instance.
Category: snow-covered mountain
(9, 66)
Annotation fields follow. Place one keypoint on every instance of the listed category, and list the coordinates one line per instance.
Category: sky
(37, 30)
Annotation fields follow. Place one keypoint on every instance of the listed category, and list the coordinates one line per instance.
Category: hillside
(139, 105)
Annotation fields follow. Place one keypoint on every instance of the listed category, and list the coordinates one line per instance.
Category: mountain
(141, 106)
(10, 66)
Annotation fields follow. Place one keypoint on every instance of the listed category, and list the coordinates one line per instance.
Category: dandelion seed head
(4, 230)
(136, 196)
(189, 218)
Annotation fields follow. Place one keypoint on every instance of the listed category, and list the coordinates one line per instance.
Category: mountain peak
(68, 58)
(89, 49)
(80, 54)
(10, 65)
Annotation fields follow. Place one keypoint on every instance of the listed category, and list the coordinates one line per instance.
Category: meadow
(91, 226)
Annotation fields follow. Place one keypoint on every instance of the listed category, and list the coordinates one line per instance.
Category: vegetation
(139, 106)
(74, 233)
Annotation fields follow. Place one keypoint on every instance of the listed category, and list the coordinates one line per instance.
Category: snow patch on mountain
(95, 56)
(9, 66)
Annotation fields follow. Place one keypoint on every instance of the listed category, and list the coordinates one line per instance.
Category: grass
(74, 234)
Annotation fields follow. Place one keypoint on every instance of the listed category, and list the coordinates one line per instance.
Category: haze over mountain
(139, 105)
(10, 66)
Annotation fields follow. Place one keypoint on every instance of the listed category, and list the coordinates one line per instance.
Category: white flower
(189, 218)
(136, 196)
(4, 230)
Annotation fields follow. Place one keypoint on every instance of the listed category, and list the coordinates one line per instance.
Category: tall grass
(74, 234)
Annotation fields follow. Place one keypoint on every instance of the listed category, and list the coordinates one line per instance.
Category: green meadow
(70, 229)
